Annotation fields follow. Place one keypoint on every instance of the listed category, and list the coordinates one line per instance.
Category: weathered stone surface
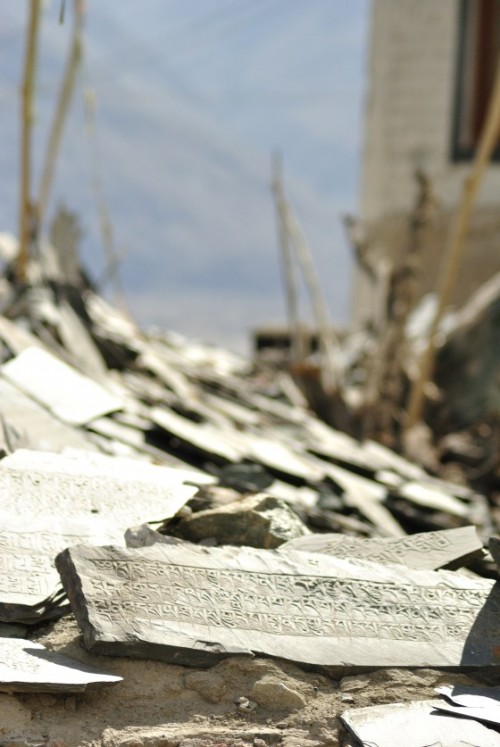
(415, 725)
(193, 605)
(29, 583)
(26, 666)
(124, 490)
(259, 521)
(68, 394)
(494, 548)
(277, 696)
(145, 536)
(424, 551)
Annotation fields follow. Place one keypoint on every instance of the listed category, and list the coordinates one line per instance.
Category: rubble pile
(179, 507)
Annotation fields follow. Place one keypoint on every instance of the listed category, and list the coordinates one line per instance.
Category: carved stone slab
(191, 605)
(29, 583)
(415, 725)
(68, 394)
(425, 551)
(28, 667)
(126, 491)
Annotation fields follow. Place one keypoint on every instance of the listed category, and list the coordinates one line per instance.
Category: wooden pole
(487, 143)
(328, 341)
(27, 215)
(64, 100)
(289, 275)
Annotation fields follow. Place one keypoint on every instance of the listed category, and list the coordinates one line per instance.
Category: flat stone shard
(415, 725)
(480, 703)
(260, 521)
(26, 666)
(192, 605)
(68, 394)
(125, 491)
(425, 551)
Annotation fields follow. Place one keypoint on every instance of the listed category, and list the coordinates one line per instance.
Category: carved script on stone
(425, 551)
(29, 582)
(191, 605)
(128, 491)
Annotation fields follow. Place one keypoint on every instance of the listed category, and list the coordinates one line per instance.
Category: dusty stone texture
(163, 705)
(257, 521)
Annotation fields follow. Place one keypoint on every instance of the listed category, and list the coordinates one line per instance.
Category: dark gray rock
(259, 521)
(192, 605)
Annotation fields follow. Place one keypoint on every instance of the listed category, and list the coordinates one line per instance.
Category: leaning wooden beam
(487, 143)
(64, 100)
(328, 341)
(26, 208)
(288, 270)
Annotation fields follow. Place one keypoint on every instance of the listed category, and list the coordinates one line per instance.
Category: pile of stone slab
(186, 508)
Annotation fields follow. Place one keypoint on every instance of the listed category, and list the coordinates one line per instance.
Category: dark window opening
(478, 50)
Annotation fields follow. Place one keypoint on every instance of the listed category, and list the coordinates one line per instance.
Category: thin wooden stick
(487, 143)
(328, 340)
(26, 208)
(64, 100)
(289, 275)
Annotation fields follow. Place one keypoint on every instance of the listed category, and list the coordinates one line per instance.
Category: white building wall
(409, 112)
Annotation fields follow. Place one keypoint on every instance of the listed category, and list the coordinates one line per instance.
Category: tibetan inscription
(425, 551)
(191, 605)
(29, 583)
(26, 666)
(124, 490)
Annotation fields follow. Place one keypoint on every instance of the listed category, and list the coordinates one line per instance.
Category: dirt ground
(240, 702)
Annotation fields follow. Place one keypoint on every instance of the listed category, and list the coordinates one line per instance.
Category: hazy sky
(193, 96)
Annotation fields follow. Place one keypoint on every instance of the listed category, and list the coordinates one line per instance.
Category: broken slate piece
(68, 394)
(480, 703)
(424, 551)
(125, 491)
(26, 666)
(257, 521)
(415, 725)
(192, 605)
